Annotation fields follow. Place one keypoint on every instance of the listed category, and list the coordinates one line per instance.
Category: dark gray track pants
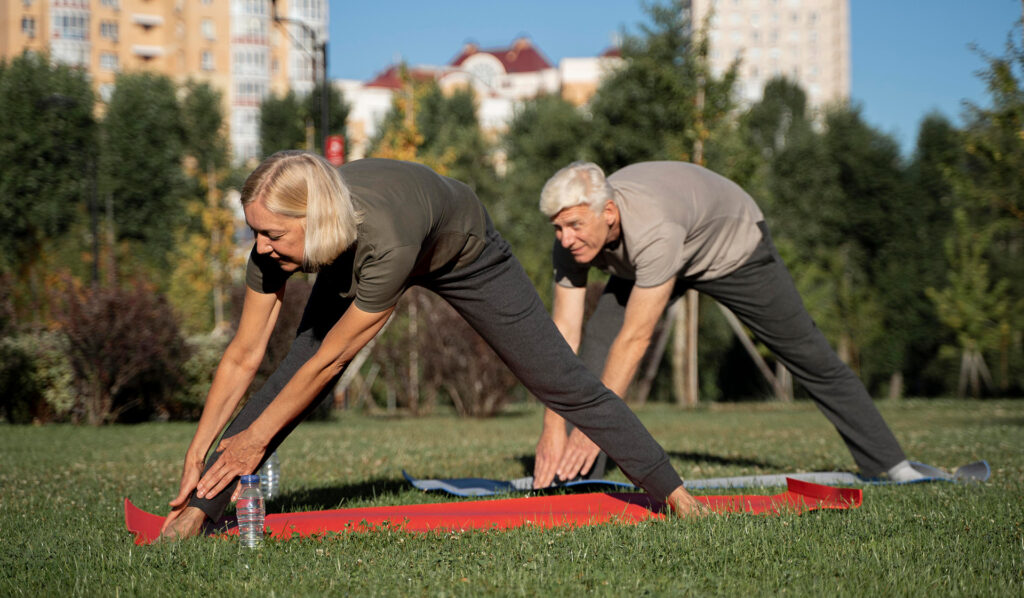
(763, 296)
(498, 300)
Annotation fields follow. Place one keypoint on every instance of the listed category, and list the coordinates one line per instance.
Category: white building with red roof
(500, 77)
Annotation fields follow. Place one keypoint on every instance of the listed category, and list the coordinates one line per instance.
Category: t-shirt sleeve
(568, 273)
(660, 257)
(262, 274)
(381, 279)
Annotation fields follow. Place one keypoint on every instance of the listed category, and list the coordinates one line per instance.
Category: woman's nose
(263, 245)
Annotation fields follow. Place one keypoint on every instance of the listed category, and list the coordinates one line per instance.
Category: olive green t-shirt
(677, 220)
(415, 223)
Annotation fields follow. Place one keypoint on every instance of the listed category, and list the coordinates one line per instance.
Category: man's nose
(566, 239)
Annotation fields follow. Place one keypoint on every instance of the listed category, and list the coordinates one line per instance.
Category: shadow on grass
(719, 460)
(528, 461)
(335, 497)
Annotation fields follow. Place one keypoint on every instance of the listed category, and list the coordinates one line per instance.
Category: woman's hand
(239, 455)
(684, 505)
(189, 478)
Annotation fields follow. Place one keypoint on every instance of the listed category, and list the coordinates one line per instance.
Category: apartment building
(500, 77)
(807, 41)
(232, 44)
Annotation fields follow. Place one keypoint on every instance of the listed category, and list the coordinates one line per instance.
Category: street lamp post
(321, 48)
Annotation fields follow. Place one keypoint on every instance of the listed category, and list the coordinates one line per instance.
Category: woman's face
(282, 238)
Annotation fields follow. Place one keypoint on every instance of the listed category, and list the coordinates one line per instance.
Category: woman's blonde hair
(577, 184)
(304, 185)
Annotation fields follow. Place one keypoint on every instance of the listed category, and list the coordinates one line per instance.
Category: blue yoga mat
(978, 471)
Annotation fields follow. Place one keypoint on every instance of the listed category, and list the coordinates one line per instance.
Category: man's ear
(610, 213)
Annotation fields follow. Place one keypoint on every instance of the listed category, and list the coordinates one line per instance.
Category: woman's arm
(242, 453)
(234, 374)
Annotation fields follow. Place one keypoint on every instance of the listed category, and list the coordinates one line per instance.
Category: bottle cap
(250, 479)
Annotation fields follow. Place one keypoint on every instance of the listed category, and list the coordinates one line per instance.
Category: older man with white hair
(658, 229)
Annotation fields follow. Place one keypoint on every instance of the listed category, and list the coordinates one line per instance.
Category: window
(108, 30)
(70, 25)
(206, 61)
(207, 29)
(106, 91)
(109, 62)
(28, 26)
(112, 4)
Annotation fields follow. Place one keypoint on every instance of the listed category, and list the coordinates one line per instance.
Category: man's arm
(643, 310)
(242, 452)
(567, 313)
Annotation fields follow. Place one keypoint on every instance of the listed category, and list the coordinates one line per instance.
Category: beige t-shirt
(677, 220)
(415, 224)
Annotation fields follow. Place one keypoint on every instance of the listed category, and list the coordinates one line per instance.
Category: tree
(544, 135)
(205, 245)
(979, 310)
(140, 166)
(338, 110)
(282, 125)
(992, 187)
(452, 136)
(664, 100)
(47, 150)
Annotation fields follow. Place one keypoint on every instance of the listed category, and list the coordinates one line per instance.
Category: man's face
(584, 232)
(283, 238)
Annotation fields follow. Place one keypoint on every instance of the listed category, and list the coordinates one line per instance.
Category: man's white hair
(577, 184)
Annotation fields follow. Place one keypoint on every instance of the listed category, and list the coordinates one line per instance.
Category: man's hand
(683, 504)
(550, 448)
(239, 455)
(578, 457)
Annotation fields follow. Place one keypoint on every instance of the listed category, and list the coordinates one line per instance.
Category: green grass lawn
(62, 527)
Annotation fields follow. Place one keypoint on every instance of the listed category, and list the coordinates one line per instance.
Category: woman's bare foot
(186, 525)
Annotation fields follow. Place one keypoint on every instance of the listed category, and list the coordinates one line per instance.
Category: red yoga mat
(539, 511)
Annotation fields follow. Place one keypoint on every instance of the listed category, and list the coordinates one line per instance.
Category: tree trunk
(414, 357)
(684, 354)
(643, 386)
(783, 391)
(896, 385)
(219, 323)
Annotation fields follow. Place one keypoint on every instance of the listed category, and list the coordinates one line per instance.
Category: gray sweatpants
(763, 296)
(497, 299)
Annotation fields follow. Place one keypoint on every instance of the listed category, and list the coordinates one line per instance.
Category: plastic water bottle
(270, 476)
(250, 512)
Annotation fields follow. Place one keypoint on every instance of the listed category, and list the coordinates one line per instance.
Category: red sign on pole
(336, 149)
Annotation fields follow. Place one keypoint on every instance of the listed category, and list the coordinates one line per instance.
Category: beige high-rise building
(232, 44)
(807, 41)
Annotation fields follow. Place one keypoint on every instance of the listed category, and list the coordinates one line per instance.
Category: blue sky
(909, 57)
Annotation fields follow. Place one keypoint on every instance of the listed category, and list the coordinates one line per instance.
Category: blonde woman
(371, 229)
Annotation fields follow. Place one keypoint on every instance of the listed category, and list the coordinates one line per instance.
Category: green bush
(35, 378)
(197, 373)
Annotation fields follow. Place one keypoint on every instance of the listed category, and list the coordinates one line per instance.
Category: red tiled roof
(391, 78)
(520, 57)
(612, 52)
